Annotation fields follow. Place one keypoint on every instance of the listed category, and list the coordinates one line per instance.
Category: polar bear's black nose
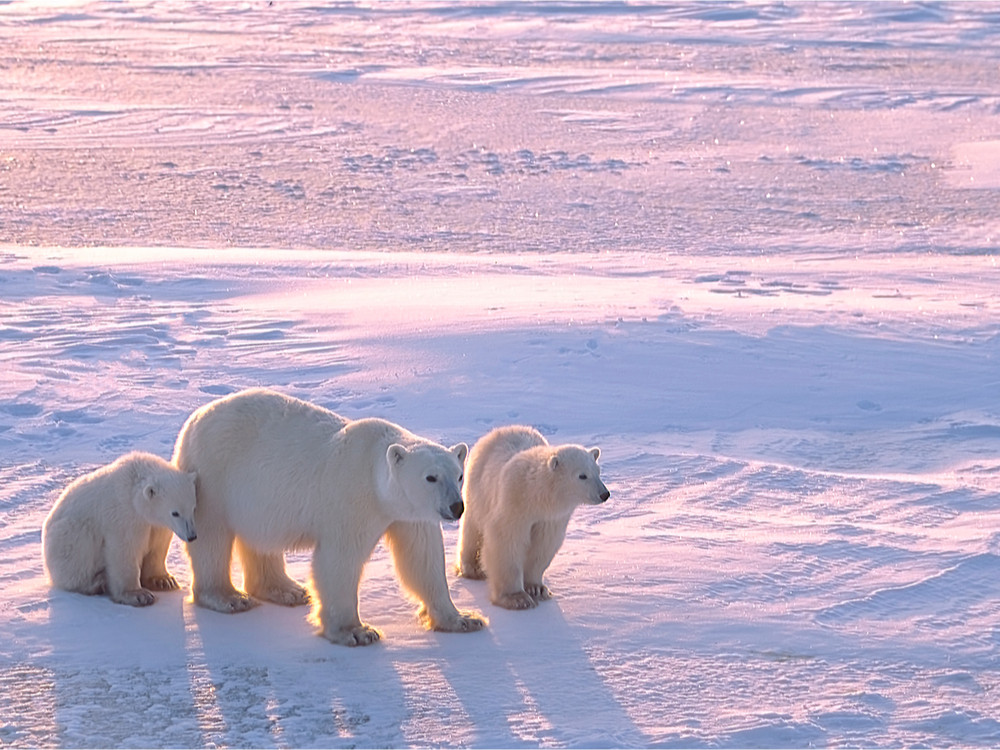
(457, 509)
(192, 536)
(605, 495)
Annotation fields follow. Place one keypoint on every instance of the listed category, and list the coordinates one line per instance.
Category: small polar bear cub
(109, 531)
(519, 495)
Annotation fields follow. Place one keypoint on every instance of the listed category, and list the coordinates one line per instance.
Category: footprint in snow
(77, 416)
(116, 443)
(219, 389)
(21, 409)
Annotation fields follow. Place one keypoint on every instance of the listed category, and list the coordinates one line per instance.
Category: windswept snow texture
(749, 250)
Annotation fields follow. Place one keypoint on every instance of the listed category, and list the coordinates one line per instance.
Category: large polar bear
(276, 473)
(519, 496)
(109, 531)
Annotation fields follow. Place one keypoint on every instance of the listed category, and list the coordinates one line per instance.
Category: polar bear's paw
(538, 591)
(354, 635)
(516, 600)
(467, 622)
(165, 582)
(135, 597)
(227, 603)
(288, 596)
(472, 571)
(460, 622)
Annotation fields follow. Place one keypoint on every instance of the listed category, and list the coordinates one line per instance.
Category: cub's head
(167, 498)
(427, 480)
(578, 476)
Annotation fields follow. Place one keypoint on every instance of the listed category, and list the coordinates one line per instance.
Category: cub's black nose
(192, 537)
(605, 495)
(457, 509)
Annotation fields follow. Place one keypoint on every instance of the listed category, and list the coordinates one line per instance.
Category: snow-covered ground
(749, 250)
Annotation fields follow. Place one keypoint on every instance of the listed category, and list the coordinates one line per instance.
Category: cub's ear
(193, 475)
(461, 452)
(396, 454)
(149, 490)
(595, 452)
(553, 462)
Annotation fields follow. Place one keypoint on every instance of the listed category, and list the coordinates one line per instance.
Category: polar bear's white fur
(276, 473)
(109, 531)
(519, 495)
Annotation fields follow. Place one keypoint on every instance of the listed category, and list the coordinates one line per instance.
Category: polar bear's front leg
(153, 573)
(335, 582)
(418, 553)
(211, 555)
(122, 558)
(504, 554)
(546, 539)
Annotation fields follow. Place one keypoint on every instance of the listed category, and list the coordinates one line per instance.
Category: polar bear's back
(490, 455)
(242, 418)
(253, 452)
(274, 468)
(253, 425)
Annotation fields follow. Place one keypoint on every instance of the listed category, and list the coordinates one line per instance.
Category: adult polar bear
(277, 473)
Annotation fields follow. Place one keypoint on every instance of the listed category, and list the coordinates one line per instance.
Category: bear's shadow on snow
(395, 691)
(540, 679)
(268, 657)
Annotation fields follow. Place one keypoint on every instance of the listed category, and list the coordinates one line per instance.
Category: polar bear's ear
(460, 451)
(595, 452)
(553, 462)
(149, 490)
(396, 454)
(193, 475)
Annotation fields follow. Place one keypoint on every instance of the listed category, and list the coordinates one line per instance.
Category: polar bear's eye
(461, 477)
(583, 476)
(432, 479)
(175, 514)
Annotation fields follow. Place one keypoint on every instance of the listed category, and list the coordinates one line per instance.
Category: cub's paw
(135, 598)
(516, 600)
(355, 635)
(165, 582)
(538, 591)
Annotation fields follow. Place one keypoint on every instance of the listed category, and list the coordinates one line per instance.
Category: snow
(749, 250)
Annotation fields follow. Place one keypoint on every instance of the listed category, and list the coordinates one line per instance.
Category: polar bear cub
(519, 496)
(109, 531)
(277, 473)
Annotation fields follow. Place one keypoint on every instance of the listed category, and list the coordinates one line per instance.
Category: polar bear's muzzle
(454, 512)
(184, 529)
(602, 494)
(452, 507)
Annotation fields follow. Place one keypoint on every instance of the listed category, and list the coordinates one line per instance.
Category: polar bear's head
(427, 480)
(166, 497)
(577, 475)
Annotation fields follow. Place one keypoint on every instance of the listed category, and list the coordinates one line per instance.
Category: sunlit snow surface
(749, 250)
